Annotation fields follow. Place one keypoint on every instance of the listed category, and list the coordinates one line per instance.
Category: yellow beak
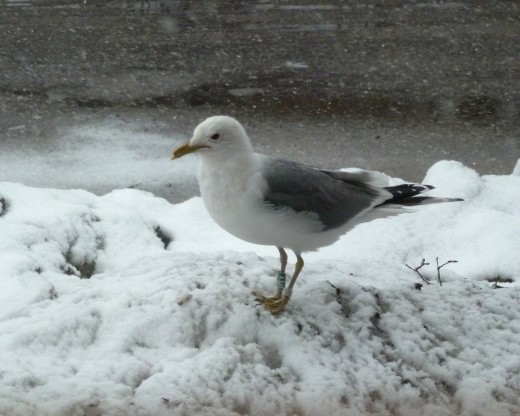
(186, 149)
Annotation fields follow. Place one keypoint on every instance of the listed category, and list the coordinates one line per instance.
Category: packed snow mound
(127, 305)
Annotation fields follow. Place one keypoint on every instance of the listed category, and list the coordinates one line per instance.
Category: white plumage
(273, 201)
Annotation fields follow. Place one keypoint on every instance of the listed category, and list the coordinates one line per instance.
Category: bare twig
(440, 267)
(344, 307)
(338, 291)
(416, 270)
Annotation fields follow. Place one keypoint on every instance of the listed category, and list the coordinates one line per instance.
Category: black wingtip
(407, 190)
(407, 195)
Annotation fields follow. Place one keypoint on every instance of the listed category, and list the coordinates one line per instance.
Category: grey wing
(335, 198)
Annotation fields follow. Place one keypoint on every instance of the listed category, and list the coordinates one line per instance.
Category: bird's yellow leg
(277, 306)
(280, 283)
(280, 286)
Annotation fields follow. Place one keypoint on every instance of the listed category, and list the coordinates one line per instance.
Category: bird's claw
(274, 304)
(266, 299)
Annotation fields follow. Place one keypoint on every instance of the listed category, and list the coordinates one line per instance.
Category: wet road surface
(393, 86)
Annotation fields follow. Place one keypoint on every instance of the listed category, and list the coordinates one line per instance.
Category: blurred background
(95, 94)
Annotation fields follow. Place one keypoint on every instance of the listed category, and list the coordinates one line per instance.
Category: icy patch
(442, 5)
(246, 91)
(296, 65)
(18, 3)
(309, 7)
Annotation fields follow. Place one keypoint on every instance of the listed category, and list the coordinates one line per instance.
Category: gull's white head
(219, 137)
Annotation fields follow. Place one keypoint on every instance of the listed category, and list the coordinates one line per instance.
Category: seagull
(275, 201)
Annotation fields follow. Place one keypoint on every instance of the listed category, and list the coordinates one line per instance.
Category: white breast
(233, 194)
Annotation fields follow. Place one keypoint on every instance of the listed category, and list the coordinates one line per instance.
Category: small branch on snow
(416, 270)
(338, 291)
(344, 307)
(441, 266)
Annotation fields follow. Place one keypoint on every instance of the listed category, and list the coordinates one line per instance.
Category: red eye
(216, 136)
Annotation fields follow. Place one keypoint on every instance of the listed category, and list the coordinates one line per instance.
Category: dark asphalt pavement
(387, 85)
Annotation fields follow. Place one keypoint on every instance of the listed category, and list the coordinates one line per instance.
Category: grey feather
(336, 197)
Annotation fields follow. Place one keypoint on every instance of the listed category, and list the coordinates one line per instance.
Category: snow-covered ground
(125, 304)
(107, 153)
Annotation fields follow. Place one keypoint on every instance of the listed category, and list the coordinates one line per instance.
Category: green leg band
(281, 282)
